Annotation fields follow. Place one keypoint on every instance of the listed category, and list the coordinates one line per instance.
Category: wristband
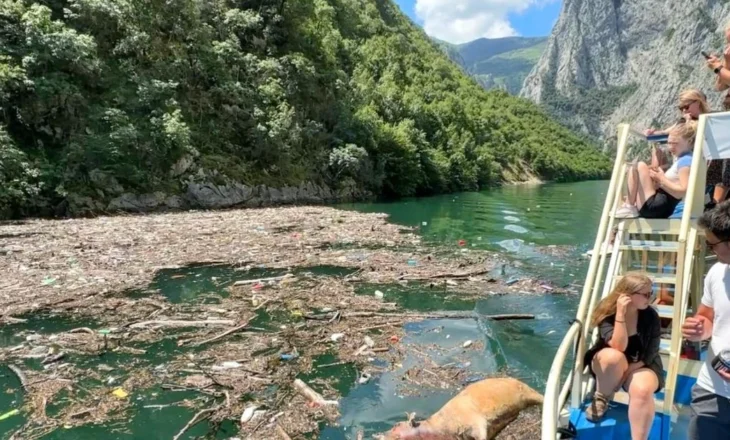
(717, 70)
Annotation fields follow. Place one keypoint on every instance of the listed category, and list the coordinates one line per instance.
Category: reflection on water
(521, 220)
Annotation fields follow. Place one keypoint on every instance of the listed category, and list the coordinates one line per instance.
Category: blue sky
(459, 21)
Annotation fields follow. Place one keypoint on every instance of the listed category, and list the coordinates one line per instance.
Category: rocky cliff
(613, 61)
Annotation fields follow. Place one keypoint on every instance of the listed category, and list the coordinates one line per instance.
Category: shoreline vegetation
(275, 319)
(145, 103)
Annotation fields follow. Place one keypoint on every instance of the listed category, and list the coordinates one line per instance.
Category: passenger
(710, 416)
(718, 173)
(654, 193)
(627, 353)
(692, 103)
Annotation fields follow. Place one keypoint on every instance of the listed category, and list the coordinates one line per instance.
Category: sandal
(598, 407)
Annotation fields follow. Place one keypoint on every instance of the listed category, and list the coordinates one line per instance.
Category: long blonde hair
(691, 95)
(686, 130)
(631, 283)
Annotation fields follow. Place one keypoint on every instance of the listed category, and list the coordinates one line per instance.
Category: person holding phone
(710, 417)
(718, 172)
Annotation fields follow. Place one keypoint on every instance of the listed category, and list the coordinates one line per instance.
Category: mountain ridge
(608, 62)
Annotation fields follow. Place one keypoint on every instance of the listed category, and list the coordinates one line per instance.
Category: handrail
(597, 259)
(553, 395)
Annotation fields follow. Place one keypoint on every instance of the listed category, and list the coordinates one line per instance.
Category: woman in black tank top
(626, 353)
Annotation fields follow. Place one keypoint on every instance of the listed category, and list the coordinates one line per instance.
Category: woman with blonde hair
(654, 193)
(627, 352)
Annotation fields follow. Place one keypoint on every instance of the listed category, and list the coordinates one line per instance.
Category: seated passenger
(692, 103)
(627, 353)
(654, 193)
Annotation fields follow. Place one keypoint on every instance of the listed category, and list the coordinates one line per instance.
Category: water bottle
(722, 362)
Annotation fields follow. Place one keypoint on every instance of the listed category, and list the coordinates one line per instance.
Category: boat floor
(615, 425)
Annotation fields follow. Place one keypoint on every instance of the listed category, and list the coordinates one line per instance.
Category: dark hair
(717, 220)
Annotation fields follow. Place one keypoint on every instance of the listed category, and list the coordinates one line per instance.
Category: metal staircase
(672, 254)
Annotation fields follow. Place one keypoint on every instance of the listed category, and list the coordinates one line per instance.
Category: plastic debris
(289, 356)
(120, 393)
(468, 344)
(337, 336)
(379, 294)
(394, 339)
(424, 223)
(369, 341)
(512, 281)
(452, 283)
(412, 262)
(248, 413)
(7, 415)
(48, 281)
(364, 378)
(462, 243)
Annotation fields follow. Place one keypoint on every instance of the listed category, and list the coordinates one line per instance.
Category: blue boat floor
(615, 425)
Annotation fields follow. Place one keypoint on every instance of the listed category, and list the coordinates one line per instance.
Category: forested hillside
(102, 98)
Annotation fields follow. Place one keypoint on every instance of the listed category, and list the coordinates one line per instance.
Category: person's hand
(713, 62)
(657, 176)
(726, 55)
(650, 131)
(693, 329)
(622, 305)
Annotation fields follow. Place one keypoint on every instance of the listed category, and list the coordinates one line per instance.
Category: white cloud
(460, 21)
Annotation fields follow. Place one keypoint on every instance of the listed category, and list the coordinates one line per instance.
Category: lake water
(543, 230)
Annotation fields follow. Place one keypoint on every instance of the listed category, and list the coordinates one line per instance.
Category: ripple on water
(504, 211)
(516, 229)
(509, 218)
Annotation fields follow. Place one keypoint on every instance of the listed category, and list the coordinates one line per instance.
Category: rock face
(614, 61)
(212, 196)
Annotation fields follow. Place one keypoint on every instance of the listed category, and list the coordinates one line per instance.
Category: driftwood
(312, 395)
(261, 280)
(21, 376)
(197, 418)
(11, 320)
(224, 334)
(452, 275)
(82, 330)
(504, 317)
(282, 433)
(177, 323)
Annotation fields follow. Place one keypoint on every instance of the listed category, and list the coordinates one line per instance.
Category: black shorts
(660, 205)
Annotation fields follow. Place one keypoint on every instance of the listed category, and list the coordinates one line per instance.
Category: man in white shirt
(711, 395)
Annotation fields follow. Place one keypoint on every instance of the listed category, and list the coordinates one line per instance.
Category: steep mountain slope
(213, 103)
(499, 62)
(612, 61)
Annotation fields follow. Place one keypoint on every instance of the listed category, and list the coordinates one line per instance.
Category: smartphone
(705, 54)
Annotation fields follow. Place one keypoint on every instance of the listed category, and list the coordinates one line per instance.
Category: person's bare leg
(609, 366)
(642, 384)
(646, 186)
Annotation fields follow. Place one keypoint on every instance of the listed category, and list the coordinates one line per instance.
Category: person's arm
(675, 189)
(619, 339)
(699, 327)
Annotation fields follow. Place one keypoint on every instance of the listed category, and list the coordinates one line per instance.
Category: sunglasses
(711, 246)
(647, 295)
(686, 106)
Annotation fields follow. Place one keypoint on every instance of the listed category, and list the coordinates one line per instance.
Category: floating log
(312, 395)
(177, 323)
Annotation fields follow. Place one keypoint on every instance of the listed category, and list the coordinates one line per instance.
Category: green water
(522, 223)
